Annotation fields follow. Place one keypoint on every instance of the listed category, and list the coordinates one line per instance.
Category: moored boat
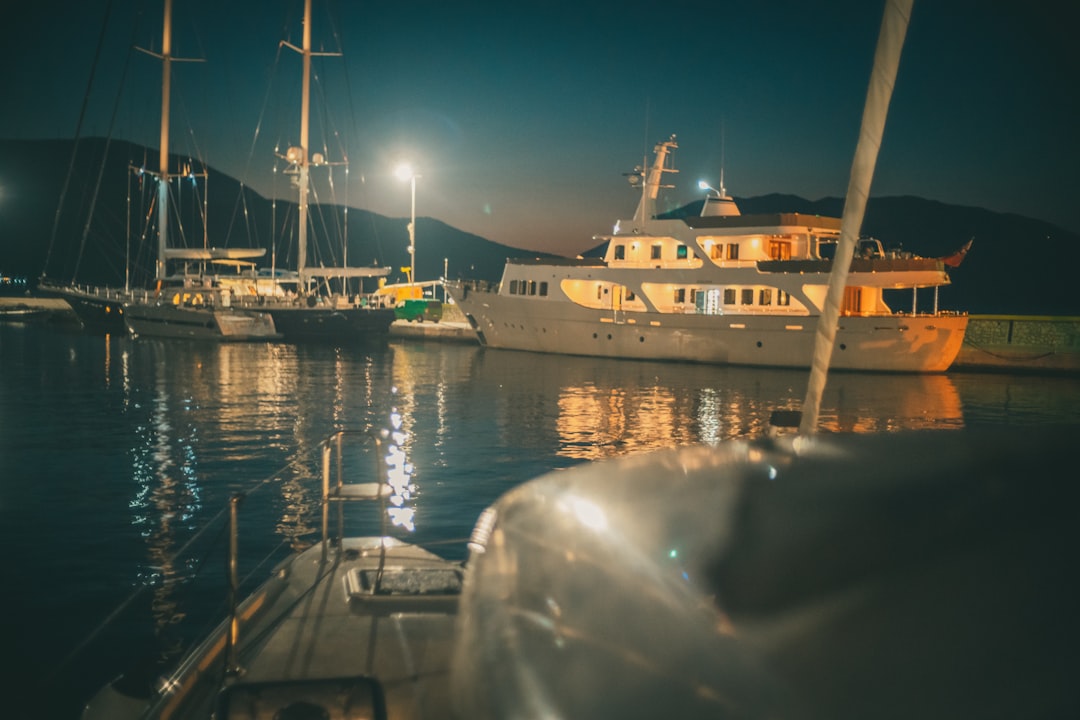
(353, 626)
(196, 313)
(164, 311)
(845, 576)
(314, 313)
(719, 287)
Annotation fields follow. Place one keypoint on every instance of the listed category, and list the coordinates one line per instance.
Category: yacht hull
(890, 343)
(227, 324)
(332, 324)
(99, 310)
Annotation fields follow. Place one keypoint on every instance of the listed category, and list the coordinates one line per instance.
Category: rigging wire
(78, 132)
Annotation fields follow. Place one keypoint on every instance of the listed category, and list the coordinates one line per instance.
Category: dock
(1021, 343)
(444, 330)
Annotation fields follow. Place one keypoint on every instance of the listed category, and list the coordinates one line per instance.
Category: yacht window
(783, 298)
(780, 249)
(680, 295)
(630, 295)
(733, 251)
(681, 252)
(532, 287)
(620, 252)
(765, 296)
(717, 251)
(748, 296)
(729, 296)
(513, 287)
(693, 296)
(655, 252)
(543, 288)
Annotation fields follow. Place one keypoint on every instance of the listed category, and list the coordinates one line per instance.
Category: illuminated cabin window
(543, 288)
(729, 296)
(693, 296)
(681, 252)
(780, 249)
(620, 252)
(733, 251)
(765, 296)
(680, 295)
(783, 298)
(717, 252)
(630, 296)
(654, 252)
(748, 296)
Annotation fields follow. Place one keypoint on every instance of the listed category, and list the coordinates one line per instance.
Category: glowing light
(589, 514)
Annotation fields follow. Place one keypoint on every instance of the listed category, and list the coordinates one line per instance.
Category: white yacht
(721, 287)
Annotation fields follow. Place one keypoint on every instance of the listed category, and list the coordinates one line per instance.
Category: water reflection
(590, 409)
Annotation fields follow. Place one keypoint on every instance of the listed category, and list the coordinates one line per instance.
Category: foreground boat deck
(318, 635)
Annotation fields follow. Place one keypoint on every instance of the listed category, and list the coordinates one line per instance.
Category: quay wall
(1025, 343)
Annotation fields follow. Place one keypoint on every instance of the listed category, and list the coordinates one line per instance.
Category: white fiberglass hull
(170, 321)
(888, 343)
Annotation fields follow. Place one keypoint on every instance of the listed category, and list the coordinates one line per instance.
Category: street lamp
(405, 172)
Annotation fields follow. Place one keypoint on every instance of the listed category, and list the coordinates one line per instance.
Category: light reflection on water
(124, 449)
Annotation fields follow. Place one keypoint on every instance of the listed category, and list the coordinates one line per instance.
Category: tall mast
(163, 159)
(894, 25)
(301, 257)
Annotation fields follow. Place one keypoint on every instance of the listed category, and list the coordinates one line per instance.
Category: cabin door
(852, 301)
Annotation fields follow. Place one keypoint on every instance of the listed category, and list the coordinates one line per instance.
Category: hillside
(32, 180)
(1016, 264)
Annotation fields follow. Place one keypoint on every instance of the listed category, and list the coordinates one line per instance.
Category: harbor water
(115, 452)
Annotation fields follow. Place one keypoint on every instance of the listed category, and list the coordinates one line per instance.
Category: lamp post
(405, 172)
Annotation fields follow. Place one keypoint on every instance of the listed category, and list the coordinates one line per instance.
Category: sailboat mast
(305, 111)
(894, 25)
(163, 160)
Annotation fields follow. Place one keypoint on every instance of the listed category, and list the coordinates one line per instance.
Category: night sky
(521, 117)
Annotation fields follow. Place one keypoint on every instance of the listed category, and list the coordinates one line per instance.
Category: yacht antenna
(723, 190)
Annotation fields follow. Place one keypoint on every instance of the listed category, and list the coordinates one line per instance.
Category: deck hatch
(413, 582)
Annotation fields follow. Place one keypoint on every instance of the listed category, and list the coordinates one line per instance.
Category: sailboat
(181, 305)
(302, 314)
(792, 576)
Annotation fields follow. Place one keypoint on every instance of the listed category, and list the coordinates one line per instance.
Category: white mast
(654, 181)
(882, 79)
(163, 158)
(305, 111)
(299, 157)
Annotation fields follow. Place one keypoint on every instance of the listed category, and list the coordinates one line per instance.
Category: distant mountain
(1016, 265)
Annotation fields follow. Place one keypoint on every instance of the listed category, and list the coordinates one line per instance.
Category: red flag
(957, 257)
